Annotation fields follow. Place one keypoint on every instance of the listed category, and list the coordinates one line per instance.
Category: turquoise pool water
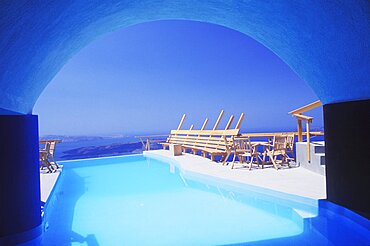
(135, 200)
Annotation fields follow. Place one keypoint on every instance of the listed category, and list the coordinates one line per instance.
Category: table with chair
(47, 155)
(278, 150)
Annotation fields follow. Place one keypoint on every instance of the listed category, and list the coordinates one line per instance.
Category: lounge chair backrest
(204, 124)
(181, 121)
(229, 122)
(214, 142)
(241, 118)
(229, 132)
(218, 120)
(204, 139)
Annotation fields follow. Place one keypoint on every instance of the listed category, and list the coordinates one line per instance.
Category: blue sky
(142, 79)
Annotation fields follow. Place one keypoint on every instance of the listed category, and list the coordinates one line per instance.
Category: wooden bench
(212, 142)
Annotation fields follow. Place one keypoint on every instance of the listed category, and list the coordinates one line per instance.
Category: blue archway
(325, 42)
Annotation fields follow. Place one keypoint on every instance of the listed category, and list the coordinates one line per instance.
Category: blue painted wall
(325, 42)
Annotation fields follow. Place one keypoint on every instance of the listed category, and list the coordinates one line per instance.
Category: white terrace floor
(295, 180)
(47, 182)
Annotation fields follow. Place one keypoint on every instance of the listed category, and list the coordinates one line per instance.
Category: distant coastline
(103, 151)
(82, 147)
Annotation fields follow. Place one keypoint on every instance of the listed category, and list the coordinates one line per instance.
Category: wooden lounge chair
(210, 142)
(168, 140)
(227, 127)
(166, 144)
(203, 127)
(278, 151)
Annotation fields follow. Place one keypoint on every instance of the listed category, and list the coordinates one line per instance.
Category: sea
(82, 147)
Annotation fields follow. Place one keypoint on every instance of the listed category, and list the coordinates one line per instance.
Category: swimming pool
(136, 200)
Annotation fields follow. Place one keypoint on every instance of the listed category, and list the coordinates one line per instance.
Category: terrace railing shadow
(325, 223)
(59, 212)
(89, 239)
(334, 225)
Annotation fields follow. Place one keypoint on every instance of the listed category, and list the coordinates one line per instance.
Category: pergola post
(308, 138)
(299, 126)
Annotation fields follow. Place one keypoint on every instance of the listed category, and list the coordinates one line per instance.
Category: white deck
(296, 181)
(47, 182)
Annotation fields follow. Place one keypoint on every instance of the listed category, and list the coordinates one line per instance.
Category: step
(321, 156)
(318, 149)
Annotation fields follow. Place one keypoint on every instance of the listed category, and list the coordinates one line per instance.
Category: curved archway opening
(143, 77)
(44, 47)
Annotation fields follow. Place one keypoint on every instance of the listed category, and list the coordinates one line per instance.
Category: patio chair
(278, 151)
(51, 151)
(290, 146)
(44, 161)
(245, 150)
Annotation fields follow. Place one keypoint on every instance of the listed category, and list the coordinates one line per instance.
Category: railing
(271, 134)
(146, 140)
(308, 119)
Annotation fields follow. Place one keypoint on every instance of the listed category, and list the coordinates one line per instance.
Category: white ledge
(296, 181)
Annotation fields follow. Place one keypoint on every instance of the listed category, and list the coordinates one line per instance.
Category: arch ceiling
(325, 42)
